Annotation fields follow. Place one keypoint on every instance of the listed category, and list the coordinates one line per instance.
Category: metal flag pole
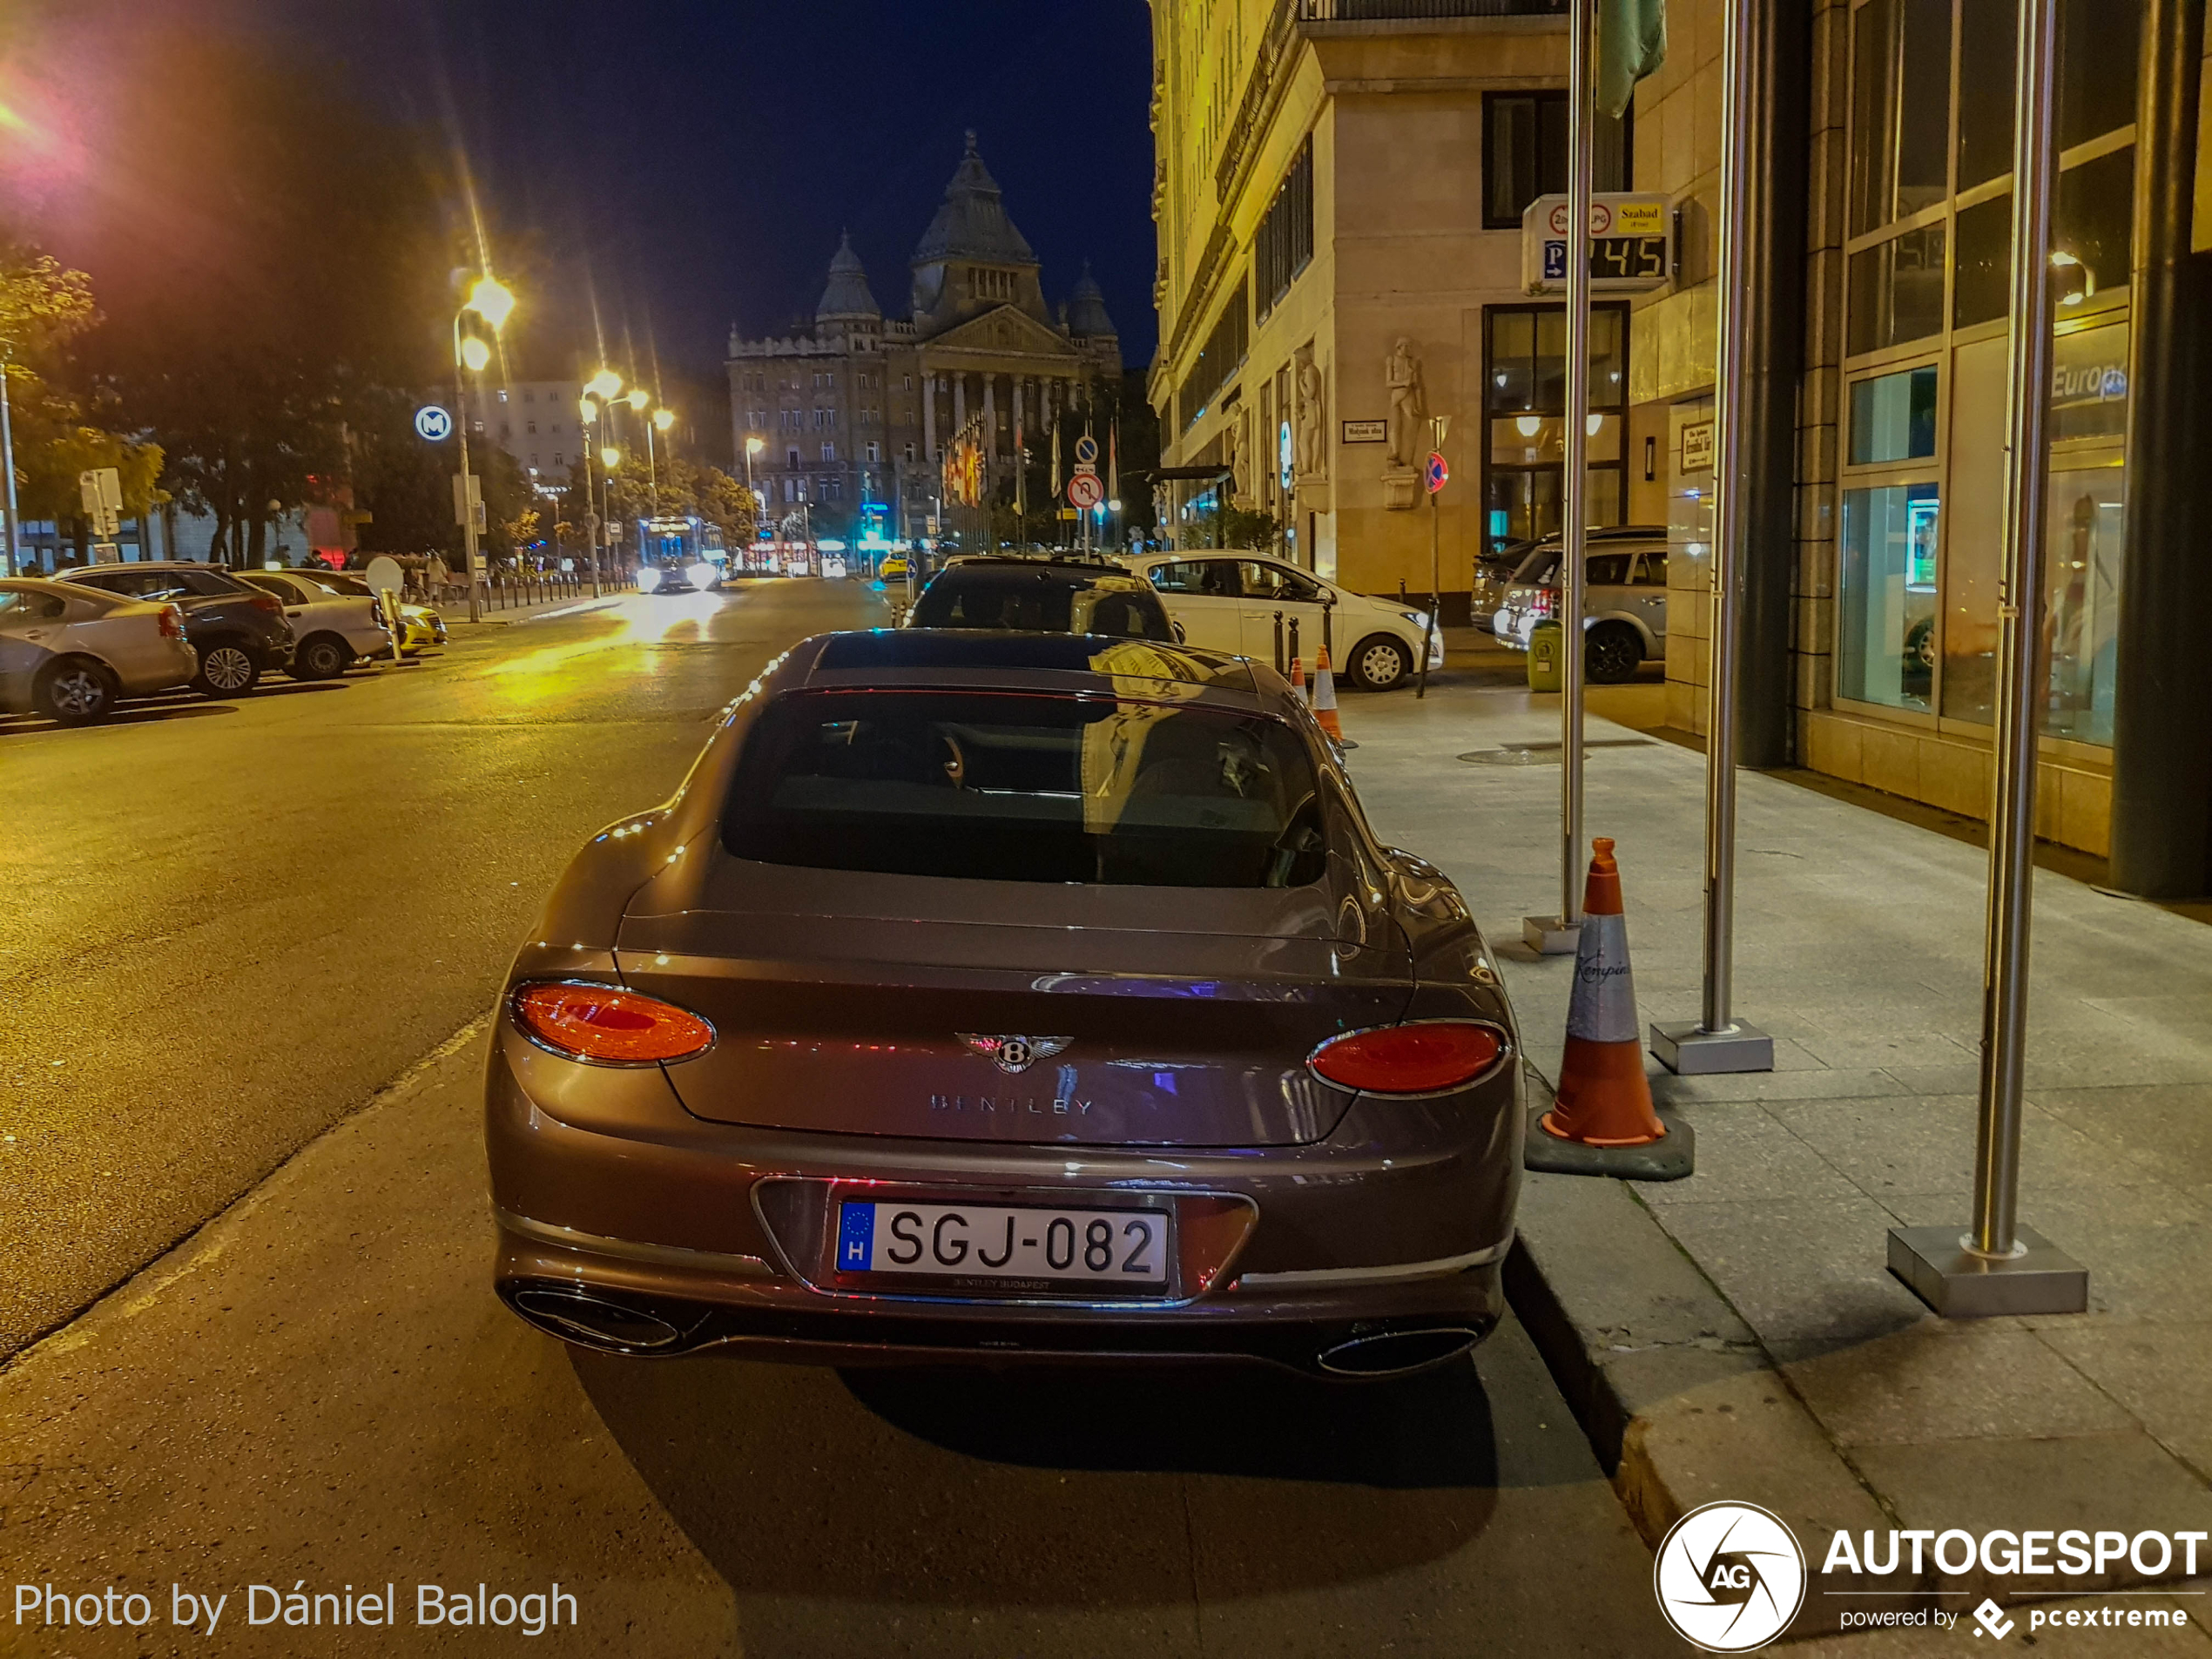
(2001, 1266)
(1717, 1041)
(1561, 935)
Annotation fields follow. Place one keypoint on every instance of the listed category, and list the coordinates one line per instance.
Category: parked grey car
(1624, 608)
(239, 632)
(1006, 996)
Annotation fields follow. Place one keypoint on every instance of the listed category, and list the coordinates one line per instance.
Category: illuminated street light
(663, 418)
(609, 457)
(638, 398)
(494, 301)
(606, 385)
(587, 410)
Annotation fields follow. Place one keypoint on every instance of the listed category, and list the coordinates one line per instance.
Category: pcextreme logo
(1729, 1577)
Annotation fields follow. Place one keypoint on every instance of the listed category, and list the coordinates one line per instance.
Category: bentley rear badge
(1014, 1054)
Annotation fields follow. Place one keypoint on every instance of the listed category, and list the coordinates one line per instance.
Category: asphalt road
(228, 923)
(244, 929)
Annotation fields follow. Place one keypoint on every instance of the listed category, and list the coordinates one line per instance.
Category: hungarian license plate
(969, 1241)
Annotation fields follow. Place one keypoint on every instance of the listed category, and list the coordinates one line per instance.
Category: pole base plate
(1668, 1159)
(1551, 935)
(1937, 1267)
(1686, 1048)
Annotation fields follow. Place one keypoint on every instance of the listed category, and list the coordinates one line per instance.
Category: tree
(44, 307)
(304, 268)
(729, 505)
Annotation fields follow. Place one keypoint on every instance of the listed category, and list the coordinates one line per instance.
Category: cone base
(1603, 1097)
(1553, 1128)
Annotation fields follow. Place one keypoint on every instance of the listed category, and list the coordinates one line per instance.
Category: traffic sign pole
(1437, 473)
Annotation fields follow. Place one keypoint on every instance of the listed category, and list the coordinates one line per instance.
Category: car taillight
(172, 623)
(267, 602)
(608, 1025)
(1542, 603)
(1428, 1057)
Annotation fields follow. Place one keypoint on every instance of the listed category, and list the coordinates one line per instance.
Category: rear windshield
(1018, 600)
(1018, 787)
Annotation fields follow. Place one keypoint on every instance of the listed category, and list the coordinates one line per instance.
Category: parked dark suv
(239, 632)
(1042, 596)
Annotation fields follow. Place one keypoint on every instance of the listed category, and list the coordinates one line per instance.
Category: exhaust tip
(1393, 1353)
(594, 1322)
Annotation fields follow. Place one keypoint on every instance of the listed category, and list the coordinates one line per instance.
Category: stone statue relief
(1408, 401)
(1310, 423)
(1240, 457)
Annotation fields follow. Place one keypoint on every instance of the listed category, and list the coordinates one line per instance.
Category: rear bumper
(652, 1235)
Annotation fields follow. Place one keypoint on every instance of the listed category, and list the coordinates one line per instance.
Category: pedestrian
(436, 577)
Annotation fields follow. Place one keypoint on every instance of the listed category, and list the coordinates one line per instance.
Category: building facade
(538, 423)
(849, 416)
(1338, 190)
(1878, 373)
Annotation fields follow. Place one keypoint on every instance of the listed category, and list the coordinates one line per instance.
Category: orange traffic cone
(1604, 1099)
(1298, 678)
(1325, 698)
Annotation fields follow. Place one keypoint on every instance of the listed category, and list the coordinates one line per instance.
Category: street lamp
(494, 301)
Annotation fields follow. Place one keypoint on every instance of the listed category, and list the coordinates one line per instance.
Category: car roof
(1043, 570)
(936, 656)
(1604, 533)
(155, 564)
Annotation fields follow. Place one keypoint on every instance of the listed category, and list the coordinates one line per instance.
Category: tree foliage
(59, 433)
(305, 268)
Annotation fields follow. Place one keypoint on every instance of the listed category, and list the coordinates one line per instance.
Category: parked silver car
(1624, 600)
(335, 628)
(70, 653)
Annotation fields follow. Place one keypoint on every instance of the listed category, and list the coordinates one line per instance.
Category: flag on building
(1631, 44)
(1020, 473)
(1114, 461)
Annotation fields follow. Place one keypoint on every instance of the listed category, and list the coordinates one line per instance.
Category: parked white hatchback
(71, 652)
(1247, 603)
(332, 628)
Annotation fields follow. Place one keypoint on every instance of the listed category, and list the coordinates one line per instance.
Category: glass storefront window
(2083, 614)
(1540, 440)
(1989, 35)
(2089, 383)
(1900, 110)
(2092, 230)
(1893, 417)
(1524, 503)
(1982, 287)
(2099, 44)
(1896, 290)
(1525, 396)
(1885, 650)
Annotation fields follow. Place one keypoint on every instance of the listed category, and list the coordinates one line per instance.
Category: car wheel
(75, 693)
(1379, 663)
(226, 670)
(1612, 653)
(323, 657)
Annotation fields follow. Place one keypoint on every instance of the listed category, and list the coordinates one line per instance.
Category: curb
(1678, 1397)
(577, 609)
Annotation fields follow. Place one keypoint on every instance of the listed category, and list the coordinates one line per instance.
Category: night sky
(697, 159)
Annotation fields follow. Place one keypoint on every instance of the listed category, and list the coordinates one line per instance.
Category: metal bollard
(395, 624)
(1279, 663)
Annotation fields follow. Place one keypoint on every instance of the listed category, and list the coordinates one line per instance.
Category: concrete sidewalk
(1736, 1335)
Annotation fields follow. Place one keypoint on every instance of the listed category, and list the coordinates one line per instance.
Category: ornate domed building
(851, 414)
